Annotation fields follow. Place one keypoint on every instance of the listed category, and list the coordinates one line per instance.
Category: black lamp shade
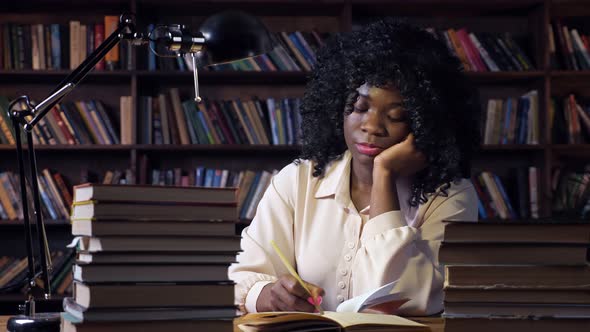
(233, 35)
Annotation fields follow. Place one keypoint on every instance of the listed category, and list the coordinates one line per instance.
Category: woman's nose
(372, 123)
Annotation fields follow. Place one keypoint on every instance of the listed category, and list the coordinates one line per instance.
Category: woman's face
(377, 122)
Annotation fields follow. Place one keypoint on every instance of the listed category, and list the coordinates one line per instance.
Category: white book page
(383, 294)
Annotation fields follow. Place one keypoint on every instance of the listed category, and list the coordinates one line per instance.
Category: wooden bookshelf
(528, 17)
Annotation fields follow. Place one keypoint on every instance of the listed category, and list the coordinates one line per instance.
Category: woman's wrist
(382, 173)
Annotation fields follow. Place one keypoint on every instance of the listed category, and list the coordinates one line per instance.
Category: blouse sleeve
(391, 250)
(257, 265)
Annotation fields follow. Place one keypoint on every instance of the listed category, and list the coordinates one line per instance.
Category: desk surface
(435, 324)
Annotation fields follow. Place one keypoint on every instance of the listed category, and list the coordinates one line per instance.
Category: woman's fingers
(289, 298)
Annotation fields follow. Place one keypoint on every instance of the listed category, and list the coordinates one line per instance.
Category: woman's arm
(383, 192)
(390, 250)
(257, 265)
(401, 159)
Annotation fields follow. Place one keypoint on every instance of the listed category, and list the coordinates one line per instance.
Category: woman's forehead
(372, 91)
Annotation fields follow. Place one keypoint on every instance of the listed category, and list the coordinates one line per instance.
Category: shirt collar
(336, 178)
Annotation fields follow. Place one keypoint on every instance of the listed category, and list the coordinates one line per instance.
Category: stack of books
(516, 276)
(152, 258)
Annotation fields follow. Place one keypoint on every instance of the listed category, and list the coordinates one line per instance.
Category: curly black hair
(442, 106)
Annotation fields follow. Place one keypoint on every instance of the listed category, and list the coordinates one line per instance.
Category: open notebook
(329, 321)
(348, 316)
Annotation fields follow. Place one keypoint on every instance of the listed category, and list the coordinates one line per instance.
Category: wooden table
(436, 324)
(3, 321)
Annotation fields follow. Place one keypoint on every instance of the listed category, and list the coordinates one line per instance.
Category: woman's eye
(359, 109)
(395, 119)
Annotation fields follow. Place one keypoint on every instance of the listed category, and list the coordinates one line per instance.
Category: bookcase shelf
(512, 147)
(570, 74)
(231, 148)
(229, 77)
(580, 151)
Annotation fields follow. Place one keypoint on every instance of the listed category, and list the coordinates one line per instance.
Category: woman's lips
(368, 149)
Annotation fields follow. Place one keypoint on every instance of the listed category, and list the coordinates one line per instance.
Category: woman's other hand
(401, 159)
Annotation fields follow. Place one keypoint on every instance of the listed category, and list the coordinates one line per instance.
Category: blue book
(272, 118)
(200, 176)
(155, 177)
(247, 120)
(151, 55)
(290, 133)
(55, 47)
(310, 60)
(507, 117)
(251, 192)
(283, 120)
(481, 211)
(524, 117)
(504, 196)
(181, 64)
(188, 108)
(203, 125)
(46, 200)
(102, 114)
(209, 175)
(217, 178)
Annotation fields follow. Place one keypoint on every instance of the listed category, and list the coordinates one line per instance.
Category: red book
(471, 50)
(98, 39)
(221, 121)
(62, 126)
(63, 189)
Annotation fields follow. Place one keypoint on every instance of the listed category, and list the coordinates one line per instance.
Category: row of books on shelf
(571, 192)
(515, 198)
(79, 122)
(293, 51)
(516, 275)
(56, 196)
(514, 120)
(568, 47)
(570, 120)
(13, 271)
(59, 46)
(54, 193)
(152, 258)
(251, 184)
(486, 51)
(166, 120)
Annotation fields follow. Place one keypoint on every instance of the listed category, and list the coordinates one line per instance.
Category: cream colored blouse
(332, 245)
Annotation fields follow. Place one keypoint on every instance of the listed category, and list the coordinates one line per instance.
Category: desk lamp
(223, 37)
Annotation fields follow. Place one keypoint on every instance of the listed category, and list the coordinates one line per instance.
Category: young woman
(389, 124)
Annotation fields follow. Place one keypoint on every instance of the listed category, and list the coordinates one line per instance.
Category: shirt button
(341, 284)
(343, 272)
(347, 257)
(340, 298)
(350, 245)
(346, 210)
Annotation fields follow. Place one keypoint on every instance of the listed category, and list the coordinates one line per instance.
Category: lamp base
(41, 322)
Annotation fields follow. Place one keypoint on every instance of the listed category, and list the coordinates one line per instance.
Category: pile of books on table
(516, 276)
(152, 258)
